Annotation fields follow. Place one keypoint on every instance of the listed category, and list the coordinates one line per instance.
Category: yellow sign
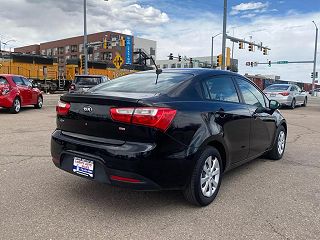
(0, 65)
(118, 61)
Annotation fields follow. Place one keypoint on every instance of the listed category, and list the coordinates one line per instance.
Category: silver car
(287, 94)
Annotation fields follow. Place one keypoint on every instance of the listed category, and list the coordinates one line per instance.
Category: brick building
(72, 48)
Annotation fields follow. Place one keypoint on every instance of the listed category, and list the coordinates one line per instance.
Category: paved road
(260, 200)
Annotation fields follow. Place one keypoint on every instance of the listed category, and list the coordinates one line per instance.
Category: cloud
(249, 15)
(244, 7)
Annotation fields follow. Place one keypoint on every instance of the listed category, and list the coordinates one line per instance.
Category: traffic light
(265, 51)
(251, 64)
(241, 45)
(228, 58)
(82, 61)
(105, 43)
(171, 56)
(250, 47)
(312, 75)
(269, 63)
(191, 61)
(179, 58)
(219, 60)
(122, 42)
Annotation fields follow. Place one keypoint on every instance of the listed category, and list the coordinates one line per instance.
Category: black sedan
(180, 129)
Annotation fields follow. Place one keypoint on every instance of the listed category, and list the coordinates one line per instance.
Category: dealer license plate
(83, 166)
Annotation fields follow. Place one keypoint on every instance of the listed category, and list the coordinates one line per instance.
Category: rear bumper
(138, 161)
(284, 101)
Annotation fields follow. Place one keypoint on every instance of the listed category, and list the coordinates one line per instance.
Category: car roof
(282, 84)
(83, 75)
(194, 71)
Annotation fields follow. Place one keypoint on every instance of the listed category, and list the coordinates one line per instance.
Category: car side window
(220, 88)
(27, 82)
(18, 81)
(3, 81)
(251, 94)
(298, 88)
(292, 89)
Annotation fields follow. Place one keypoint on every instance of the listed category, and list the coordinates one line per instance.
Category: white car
(287, 95)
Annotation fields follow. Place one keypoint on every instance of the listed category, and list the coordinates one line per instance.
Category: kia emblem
(87, 109)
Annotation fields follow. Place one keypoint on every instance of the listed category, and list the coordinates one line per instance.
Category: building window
(67, 49)
(107, 56)
(74, 57)
(74, 48)
(165, 66)
(81, 47)
(49, 52)
(60, 59)
(152, 51)
(185, 65)
(60, 50)
(173, 65)
(178, 65)
(55, 51)
(43, 52)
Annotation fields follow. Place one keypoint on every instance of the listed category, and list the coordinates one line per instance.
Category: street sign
(118, 61)
(248, 64)
(282, 62)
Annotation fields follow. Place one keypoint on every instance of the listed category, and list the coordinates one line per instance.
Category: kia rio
(179, 129)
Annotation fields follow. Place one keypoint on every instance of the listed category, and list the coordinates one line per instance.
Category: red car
(17, 91)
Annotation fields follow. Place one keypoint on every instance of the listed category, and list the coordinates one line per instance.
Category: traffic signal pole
(85, 37)
(315, 57)
(224, 35)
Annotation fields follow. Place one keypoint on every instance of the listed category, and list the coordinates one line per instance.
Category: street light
(5, 44)
(85, 36)
(212, 48)
(315, 57)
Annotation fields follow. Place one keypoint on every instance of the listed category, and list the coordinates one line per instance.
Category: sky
(180, 27)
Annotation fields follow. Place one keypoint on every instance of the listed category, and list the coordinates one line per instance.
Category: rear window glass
(143, 83)
(277, 88)
(3, 81)
(87, 80)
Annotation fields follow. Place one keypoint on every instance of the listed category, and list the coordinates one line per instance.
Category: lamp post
(212, 48)
(85, 36)
(315, 57)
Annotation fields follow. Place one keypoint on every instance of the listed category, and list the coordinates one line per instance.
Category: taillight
(159, 118)
(284, 93)
(62, 108)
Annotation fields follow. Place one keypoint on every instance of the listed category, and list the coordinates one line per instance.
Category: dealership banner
(128, 50)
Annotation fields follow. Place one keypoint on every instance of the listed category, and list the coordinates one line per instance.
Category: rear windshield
(277, 88)
(3, 81)
(87, 80)
(143, 83)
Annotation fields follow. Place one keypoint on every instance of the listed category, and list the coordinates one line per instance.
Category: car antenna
(158, 70)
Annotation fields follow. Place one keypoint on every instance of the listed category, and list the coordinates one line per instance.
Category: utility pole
(85, 37)
(212, 48)
(315, 57)
(224, 36)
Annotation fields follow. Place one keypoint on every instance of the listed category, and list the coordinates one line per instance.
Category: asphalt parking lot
(260, 200)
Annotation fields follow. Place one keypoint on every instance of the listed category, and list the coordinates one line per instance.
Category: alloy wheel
(17, 105)
(210, 176)
(40, 102)
(281, 142)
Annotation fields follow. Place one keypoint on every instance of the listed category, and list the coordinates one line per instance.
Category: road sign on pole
(118, 61)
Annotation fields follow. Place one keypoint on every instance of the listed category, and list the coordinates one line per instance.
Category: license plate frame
(84, 167)
(272, 95)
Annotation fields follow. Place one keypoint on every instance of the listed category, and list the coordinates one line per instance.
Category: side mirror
(274, 105)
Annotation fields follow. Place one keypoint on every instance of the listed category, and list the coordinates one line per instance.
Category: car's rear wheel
(305, 102)
(279, 146)
(293, 104)
(16, 106)
(205, 181)
(39, 102)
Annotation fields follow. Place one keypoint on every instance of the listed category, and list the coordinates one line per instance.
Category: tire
(200, 194)
(39, 102)
(293, 104)
(16, 106)
(277, 151)
(305, 102)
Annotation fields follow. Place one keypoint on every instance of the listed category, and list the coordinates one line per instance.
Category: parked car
(316, 90)
(17, 91)
(180, 130)
(83, 83)
(289, 95)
